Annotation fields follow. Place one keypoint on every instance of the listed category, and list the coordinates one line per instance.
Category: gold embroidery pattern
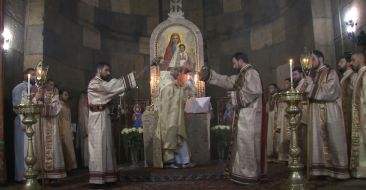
(322, 77)
(48, 129)
(234, 131)
(48, 147)
(324, 135)
(356, 126)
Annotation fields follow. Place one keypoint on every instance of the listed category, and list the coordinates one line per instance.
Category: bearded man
(101, 90)
(328, 149)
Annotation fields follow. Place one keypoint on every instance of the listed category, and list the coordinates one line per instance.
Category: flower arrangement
(134, 137)
(221, 135)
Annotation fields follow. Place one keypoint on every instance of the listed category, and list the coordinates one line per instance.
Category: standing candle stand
(296, 180)
(29, 110)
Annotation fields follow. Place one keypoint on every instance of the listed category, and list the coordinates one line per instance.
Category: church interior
(65, 41)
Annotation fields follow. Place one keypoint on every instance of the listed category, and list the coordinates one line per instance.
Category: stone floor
(201, 177)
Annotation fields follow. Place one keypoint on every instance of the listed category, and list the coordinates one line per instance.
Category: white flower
(220, 127)
(140, 130)
(124, 131)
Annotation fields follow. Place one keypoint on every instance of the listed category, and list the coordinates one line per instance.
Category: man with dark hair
(286, 84)
(298, 78)
(300, 85)
(101, 90)
(327, 143)
(358, 128)
(344, 63)
(247, 156)
(18, 92)
(347, 76)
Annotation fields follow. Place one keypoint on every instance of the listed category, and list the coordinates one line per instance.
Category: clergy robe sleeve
(328, 90)
(53, 108)
(250, 91)
(116, 86)
(223, 81)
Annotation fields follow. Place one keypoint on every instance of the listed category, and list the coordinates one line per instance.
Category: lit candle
(291, 72)
(28, 84)
(195, 78)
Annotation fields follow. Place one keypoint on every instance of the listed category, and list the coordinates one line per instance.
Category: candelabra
(296, 180)
(29, 110)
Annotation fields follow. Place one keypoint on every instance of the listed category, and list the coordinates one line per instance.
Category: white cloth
(183, 156)
(19, 134)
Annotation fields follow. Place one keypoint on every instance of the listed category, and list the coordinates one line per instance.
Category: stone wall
(80, 33)
(270, 32)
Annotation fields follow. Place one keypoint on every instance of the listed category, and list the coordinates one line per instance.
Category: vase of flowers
(134, 137)
(221, 137)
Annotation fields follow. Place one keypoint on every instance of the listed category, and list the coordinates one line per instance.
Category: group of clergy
(332, 129)
(53, 135)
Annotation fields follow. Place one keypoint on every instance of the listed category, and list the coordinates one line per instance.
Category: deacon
(67, 136)
(246, 161)
(348, 76)
(101, 90)
(327, 143)
(20, 142)
(358, 141)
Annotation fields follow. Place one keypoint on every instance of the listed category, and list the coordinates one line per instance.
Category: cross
(176, 9)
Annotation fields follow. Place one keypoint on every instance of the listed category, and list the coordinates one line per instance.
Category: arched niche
(190, 36)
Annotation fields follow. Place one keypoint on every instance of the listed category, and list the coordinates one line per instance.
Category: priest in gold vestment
(247, 155)
(101, 90)
(358, 140)
(170, 147)
(328, 148)
(53, 157)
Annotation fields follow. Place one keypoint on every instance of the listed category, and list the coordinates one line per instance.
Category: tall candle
(291, 72)
(28, 84)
